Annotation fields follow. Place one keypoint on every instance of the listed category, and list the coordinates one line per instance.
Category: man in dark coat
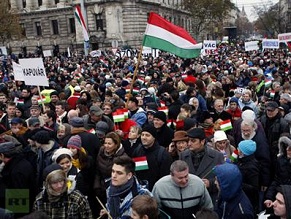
(174, 107)
(17, 173)
(202, 159)
(165, 134)
(157, 159)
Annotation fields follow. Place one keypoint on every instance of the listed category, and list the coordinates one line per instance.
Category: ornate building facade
(51, 24)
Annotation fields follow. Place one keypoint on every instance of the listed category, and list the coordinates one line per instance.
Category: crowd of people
(207, 137)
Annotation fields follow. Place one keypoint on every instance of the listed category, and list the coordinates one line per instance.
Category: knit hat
(219, 136)
(96, 110)
(16, 121)
(180, 136)
(161, 115)
(77, 122)
(50, 168)
(150, 129)
(233, 99)
(77, 88)
(101, 129)
(247, 147)
(75, 142)
(248, 115)
(196, 133)
(42, 137)
(54, 93)
(61, 151)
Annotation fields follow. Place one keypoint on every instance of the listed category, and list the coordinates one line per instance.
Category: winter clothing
(181, 202)
(165, 135)
(139, 116)
(159, 162)
(232, 202)
(120, 198)
(247, 147)
(150, 129)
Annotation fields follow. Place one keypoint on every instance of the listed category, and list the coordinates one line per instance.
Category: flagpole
(135, 73)
(43, 108)
(85, 20)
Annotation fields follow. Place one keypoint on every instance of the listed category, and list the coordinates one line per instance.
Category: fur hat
(247, 147)
(75, 142)
(161, 115)
(219, 135)
(150, 129)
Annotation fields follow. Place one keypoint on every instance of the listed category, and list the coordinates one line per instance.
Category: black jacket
(159, 162)
(165, 136)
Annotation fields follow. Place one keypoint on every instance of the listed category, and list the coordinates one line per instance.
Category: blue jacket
(232, 202)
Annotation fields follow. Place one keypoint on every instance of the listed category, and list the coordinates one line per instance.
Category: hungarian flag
(226, 125)
(118, 117)
(92, 131)
(268, 82)
(164, 109)
(162, 34)
(81, 20)
(41, 99)
(141, 163)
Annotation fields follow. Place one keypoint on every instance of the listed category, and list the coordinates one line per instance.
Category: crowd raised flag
(162, 34)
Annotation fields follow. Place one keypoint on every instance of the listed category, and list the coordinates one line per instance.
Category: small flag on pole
(118, 117)
(141, 163)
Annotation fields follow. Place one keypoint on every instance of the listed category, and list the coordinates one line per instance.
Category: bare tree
(269, 22)
(9, 25)
(208, 13)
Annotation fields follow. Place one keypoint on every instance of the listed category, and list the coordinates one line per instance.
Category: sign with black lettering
(34, 72)
(17, 200)
(209, 44)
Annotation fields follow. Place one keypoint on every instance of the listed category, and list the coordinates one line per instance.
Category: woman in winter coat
(111, 148)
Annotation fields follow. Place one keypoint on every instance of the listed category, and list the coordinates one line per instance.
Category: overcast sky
(249, 4)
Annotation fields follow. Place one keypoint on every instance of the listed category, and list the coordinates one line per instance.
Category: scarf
(115, 193)
(197, 157)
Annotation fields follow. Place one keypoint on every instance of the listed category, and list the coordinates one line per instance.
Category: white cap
(219, 135)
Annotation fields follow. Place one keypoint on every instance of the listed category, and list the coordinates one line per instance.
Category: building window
(57, 1)
(38, 28)
(72, 25)
(24, 3)
(99, 22)
(39, 3)
(55, 27)
(23, 31)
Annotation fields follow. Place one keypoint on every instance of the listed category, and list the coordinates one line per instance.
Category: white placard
(270, 44)
(3, 50)
(209, 44)
(47, 53)
(34, 72)
(252, 45)
(95, 53)
(17, 70)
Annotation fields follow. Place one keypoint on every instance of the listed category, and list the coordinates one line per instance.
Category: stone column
(29, 4)
(13, 4)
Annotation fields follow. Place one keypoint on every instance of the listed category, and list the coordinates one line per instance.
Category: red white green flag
(162, 34)
(141, 163)
(41, 99)
(81, 20)
(226, 125)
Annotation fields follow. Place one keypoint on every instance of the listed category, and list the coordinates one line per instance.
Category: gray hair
(178, 166)
(250, 123)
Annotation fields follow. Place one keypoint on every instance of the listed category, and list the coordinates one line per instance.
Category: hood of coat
(283, 143)
(229, 179)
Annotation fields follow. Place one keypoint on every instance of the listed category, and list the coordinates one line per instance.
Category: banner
(34, 72)
(270, 44)
(47, 53)
(284, 37)
(17, 71)
(209, 44)
(3, 51)
(252, 45)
